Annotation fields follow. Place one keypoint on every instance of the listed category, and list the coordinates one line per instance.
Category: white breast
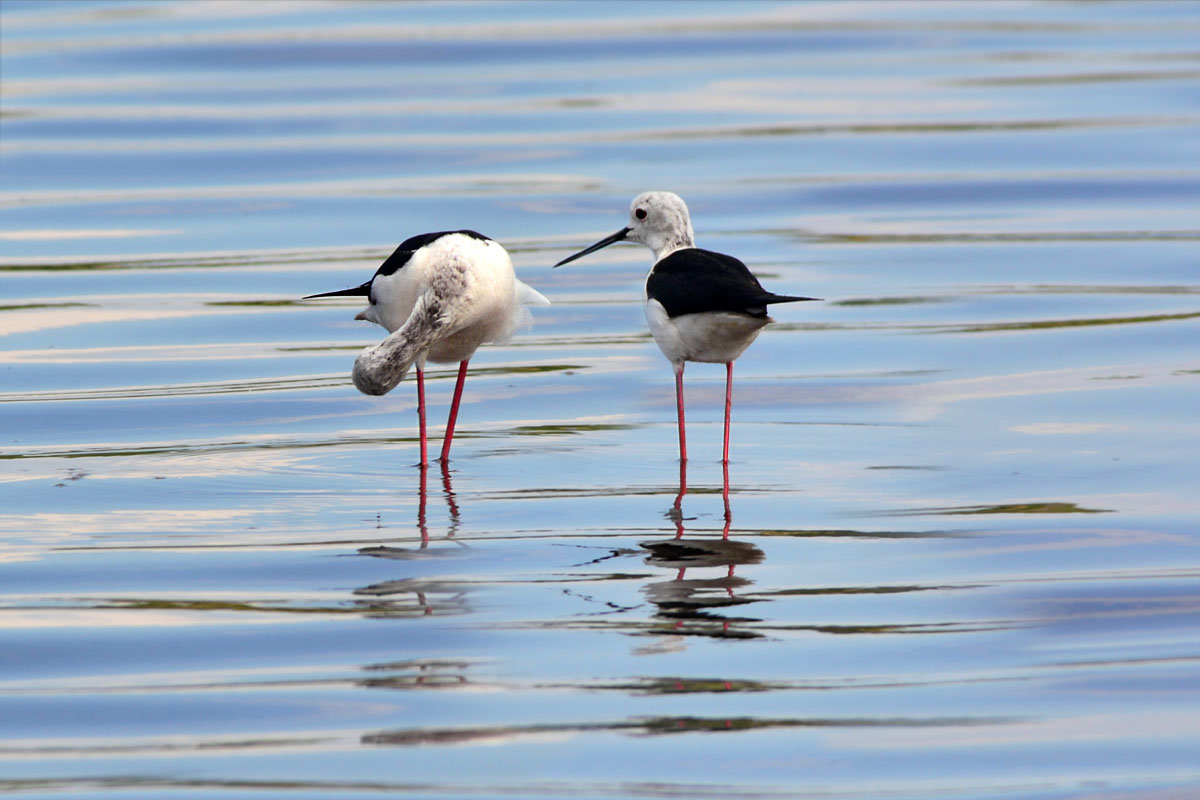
(715, 337)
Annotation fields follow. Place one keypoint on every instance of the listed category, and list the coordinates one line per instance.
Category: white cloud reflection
(62, 234)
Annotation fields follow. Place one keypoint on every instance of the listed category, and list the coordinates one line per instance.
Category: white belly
(714, 337)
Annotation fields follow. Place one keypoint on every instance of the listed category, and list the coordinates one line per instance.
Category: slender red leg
(421, 413)
(679, 405)
(728, 406)
(449, 437)
(725, 452)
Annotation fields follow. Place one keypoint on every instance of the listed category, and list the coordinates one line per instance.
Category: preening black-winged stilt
(440, 296)
(701, 305)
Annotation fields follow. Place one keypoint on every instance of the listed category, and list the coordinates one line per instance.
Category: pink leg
(421, 413)
(679, 405)
(458, 386)
(725, 454)
(728, 406)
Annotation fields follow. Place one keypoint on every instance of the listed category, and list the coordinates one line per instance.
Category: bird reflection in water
(426, 673)
(419, 596)
(696, 605)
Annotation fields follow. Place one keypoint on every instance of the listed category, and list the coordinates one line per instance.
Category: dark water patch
(197, 447)
(410, 553)
(995, 191)
(295, 383)
(631, 490)
(1002, 237)
(182, 390)
(656, 726)
(837, 590)
(372, 549)
(682, 553)
(1065, 323)
(199, 260)
(982, 327)
(256, 303)
(261, 607)
(146, 748)
(1127, 76)
(906, 466)
(847, 533)
(684, 685)
(569, 429)
(1070, 288)
(32, 306)
(712, 625)
(263, 54)
(1011, 508)
(893, 128)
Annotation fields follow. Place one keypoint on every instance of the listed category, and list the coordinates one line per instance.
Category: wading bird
(440, 296)
(701, 305)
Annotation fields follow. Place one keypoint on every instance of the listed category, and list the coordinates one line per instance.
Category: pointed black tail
(358, 291)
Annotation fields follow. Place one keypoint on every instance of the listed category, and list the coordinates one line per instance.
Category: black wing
(692, 280)
(411, 245)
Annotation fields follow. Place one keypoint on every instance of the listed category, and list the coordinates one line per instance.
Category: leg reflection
(454, 521)
(695, 605)
(725, 497)
(676, 512)
(420, 595)
(451, 502)
(421, 501)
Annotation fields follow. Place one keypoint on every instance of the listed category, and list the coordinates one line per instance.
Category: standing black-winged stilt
(701, 305)
(440, 295)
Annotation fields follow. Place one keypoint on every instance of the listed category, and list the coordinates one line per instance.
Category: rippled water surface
(962, 560)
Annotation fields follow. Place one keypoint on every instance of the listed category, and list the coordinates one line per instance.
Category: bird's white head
(658, 220)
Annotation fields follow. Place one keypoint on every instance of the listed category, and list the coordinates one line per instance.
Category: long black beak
(363, 290)
(619, 236)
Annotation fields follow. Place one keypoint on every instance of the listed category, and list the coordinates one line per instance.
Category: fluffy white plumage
(440, 296)
(453, 295)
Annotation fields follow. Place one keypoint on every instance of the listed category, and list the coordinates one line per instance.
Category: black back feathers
(404, 252)
(399, 257)
(692, 280)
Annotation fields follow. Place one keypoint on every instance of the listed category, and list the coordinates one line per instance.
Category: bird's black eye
(640, 213)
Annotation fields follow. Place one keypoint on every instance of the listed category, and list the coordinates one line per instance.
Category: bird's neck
(665, 247)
